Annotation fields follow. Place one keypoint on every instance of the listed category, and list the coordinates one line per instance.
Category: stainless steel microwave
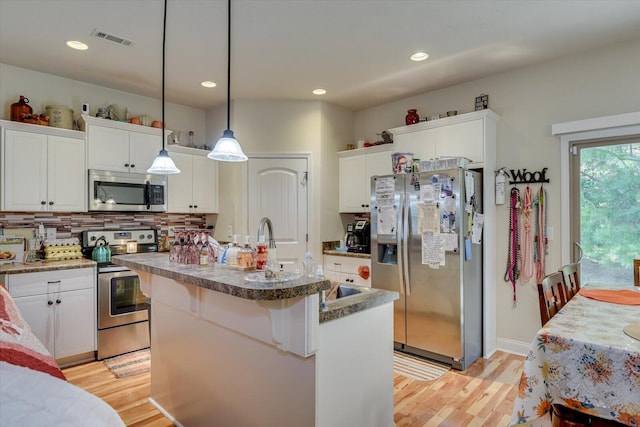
(127, 192)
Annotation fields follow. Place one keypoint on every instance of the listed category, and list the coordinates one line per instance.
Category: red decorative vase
(412, 117)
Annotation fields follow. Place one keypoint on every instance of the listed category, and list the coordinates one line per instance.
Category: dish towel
(616, 296)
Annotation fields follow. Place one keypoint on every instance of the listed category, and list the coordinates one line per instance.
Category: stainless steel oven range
(123, 310)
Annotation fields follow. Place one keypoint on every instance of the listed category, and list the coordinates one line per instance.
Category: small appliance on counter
(362, 237)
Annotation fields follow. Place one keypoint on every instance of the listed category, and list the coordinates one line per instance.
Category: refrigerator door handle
(399, 244)
(405, 237)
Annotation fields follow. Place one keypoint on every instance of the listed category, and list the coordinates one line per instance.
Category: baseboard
(513, 346)
(165, 413)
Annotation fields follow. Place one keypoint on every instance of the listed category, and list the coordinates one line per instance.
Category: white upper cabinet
(356, 169)
(195, 188)
(465, 135)
(121, 147)
(43, 169)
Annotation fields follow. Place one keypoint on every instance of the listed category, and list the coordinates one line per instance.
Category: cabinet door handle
(53, 282)
(49, 302)
(190, 206)
(50, 203)
(132, 165)
(58, 301)
(42, 202)
(195, 206)
(126, 165)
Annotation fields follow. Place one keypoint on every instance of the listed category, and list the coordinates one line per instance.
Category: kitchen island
(229, 351)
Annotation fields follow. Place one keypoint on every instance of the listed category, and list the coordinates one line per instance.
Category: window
(605, 213)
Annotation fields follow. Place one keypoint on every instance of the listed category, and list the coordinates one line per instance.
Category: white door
(74, 326)
(278, 189)
(67, 175)
(143, 149)
(25, 171)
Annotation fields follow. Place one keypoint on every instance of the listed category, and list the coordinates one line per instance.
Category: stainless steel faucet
(272, 240)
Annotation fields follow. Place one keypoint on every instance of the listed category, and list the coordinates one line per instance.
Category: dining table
(585, 358)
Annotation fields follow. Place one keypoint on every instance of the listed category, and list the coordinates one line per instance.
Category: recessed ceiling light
(208, 84)
(77, 45)
(419, 56)
(319, 91)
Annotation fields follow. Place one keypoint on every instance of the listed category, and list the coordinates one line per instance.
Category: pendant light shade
(163, 164)
(227, 149)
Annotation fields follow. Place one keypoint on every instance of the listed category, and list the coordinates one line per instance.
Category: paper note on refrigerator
(385, 191)
(469, 186)
(476, 230)
(429, 192)
(450, 241)
(428, 217)
(433, 250)
(387, 220)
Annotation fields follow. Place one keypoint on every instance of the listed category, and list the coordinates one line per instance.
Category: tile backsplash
(73, 224)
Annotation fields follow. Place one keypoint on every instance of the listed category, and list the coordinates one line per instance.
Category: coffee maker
(350, 239)
(362, 237)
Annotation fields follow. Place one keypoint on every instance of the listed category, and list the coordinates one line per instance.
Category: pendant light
(163, 164)
(227, 149)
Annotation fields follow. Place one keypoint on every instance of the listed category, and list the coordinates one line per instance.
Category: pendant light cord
(228, 66)
(164, 42)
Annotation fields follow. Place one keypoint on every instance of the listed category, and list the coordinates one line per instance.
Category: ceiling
(358, 50)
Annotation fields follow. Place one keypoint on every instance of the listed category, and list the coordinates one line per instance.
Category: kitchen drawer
(344, 269)
(27, 284)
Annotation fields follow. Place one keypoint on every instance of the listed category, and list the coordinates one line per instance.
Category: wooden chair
(571, 275)
(551, 296)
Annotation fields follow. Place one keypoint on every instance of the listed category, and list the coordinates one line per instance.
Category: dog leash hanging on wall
(527, 269)
(513, 257)
(540, 239)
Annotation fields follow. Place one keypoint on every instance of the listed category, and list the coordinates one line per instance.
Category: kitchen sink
(346, 291)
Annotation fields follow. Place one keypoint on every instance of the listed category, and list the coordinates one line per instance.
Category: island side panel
(204, 373)
(355, 369)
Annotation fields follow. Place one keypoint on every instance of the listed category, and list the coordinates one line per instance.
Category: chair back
(551, 296)
(571, 275)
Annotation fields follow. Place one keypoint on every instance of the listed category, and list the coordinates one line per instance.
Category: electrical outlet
(171, 232)
(229, 231)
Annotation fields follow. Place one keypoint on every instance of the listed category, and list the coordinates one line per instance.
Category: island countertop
(218, 278)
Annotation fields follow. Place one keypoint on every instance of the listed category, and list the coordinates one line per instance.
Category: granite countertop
(218, 278)
(345, 306)
(346, 254)
(44, 265)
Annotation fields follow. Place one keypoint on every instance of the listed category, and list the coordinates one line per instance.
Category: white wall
(529, 100)
(46, 89)
(271, 126)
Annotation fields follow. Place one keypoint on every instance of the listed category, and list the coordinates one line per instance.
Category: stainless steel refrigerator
(426, 244)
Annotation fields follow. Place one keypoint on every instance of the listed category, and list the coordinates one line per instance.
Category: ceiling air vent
(112, 38)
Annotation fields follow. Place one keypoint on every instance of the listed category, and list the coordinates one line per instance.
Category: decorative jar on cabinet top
(412, 117)
(20, 108)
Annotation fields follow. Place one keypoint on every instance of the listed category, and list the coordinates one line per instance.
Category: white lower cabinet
(344, 269)
(60, 308)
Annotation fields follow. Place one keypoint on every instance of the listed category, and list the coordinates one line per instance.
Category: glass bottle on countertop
(194, 252)
(308, 266)
(261, 253)
(204, 250)
(232, 252)
(174, 252)
(247, 256)
(272, 268)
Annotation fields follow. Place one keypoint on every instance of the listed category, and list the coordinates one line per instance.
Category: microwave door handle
(147, 195)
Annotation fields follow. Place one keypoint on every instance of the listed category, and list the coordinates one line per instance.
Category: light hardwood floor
(482, 395)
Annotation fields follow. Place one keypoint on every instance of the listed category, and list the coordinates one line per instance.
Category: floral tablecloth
(582, 359)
